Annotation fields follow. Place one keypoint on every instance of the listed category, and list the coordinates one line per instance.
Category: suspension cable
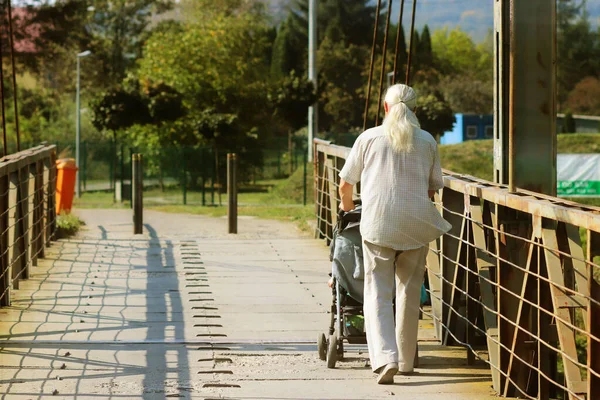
(3, 109)
(14, 75)
(382, 76)
(399, 30)
(366, 115)
(410, 46)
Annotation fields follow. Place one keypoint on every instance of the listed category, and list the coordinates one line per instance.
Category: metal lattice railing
(516, 280)
(27, 213)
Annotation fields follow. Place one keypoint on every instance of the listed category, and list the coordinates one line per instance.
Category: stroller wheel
(332, 351)
(322, 346)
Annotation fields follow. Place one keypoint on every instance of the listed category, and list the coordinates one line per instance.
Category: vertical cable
(14, 76)
(398, 41)
(2, 96)
(410, 46)
(382, 76)
(366, 115)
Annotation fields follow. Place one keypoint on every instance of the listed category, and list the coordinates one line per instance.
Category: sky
(473, 16)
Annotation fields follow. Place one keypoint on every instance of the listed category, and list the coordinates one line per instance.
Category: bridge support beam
(527, 153)
(524, 157)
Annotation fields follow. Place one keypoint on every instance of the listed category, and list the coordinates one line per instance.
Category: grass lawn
(280, 199)
(476, 158)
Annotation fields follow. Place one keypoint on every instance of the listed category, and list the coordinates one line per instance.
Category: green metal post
(305, 180)
(203, 166)
(278, 163)
(184, 179)
(212, 184)
(85, 171)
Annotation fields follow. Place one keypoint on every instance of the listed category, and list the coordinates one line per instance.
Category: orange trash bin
(66, 172)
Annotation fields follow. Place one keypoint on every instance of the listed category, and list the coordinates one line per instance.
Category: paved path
(187, 311)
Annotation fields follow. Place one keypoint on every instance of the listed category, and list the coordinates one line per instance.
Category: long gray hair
(401, 122)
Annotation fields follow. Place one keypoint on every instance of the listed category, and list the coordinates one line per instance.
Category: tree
(468, 95)
(434, 113)
(291, 98)
(221, 75)
(119, 109)
(122, 26)
(342, 73)
(424, 50)
(285, 58)
(577, 47)
(455, 53)
(585, 97)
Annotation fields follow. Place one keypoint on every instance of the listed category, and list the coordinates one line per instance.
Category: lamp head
(84, 54)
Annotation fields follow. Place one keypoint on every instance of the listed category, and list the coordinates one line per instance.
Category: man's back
(397, 211)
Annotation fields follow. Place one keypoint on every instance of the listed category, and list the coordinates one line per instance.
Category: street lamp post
(78, 119)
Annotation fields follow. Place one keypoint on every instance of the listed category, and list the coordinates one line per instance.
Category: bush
(67, 225)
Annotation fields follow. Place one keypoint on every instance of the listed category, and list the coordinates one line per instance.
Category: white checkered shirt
(397, 212)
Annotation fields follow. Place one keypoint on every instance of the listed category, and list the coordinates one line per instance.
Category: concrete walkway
(187, 311)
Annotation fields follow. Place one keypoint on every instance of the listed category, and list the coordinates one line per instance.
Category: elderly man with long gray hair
(398, 166)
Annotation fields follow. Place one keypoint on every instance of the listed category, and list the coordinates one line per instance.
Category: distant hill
(473, 16)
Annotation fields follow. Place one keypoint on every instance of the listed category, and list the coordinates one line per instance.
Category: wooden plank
(577, 214)
(435, 286)
(521, 321)
(14, 233)
(454, 296)
(38, 245)
(453, 201)
(579, 266)
(4, 251)
(332, 190)
(593, 316)
(484, 264)
(30, 214)
(25, 220)
(566, 335)
(51, 188)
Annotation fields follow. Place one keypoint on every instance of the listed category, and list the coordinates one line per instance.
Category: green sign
(578, 188)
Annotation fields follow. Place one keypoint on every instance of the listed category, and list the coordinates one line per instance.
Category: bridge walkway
(187, 311)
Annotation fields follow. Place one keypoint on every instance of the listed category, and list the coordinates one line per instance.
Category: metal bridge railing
(516, 280)
(27, 213)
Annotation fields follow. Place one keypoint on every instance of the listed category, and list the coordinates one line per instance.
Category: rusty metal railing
(516, 281)
(27, 213)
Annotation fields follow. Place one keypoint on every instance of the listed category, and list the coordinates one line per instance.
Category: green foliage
(119, 109)
(585, 97)
(434, 113)
(67, 225)
(578, 47)
(342, 93)
(569, 124)
(468, 95)
(291, 98)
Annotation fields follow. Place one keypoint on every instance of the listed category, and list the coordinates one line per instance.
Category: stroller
(347, 320)
(347, 290)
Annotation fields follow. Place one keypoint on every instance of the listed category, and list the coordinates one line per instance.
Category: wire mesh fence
(516, 281)
(27, 213)
(192, 175)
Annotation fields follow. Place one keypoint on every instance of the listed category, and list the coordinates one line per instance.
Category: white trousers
(387, 343)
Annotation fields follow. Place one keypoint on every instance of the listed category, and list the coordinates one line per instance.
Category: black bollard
(232, 192)
(137, 198)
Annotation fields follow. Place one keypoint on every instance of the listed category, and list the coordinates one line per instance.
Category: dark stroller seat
(347, 290)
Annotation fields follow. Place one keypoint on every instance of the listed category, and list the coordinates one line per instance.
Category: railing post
(184, 178)
(4, 259)
(304, 159)
(232, 192)
(51, 205)
(137, 193)
(593, 317)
